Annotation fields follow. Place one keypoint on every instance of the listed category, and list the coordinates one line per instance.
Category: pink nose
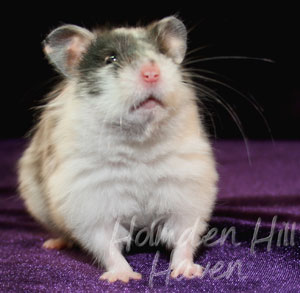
(150, 72)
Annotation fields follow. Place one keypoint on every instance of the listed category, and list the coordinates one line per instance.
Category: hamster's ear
(171, 36)
(65, 45)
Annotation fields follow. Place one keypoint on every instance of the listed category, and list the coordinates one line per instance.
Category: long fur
(91, 163)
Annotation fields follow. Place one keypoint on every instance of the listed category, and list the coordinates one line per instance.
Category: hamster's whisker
(105, 119)
(209, 93)
(190, 52)
(249, 98)
(214, 58)
(204, 94)
(121, 123)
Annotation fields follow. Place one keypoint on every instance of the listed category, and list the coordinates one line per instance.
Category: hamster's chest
(128, 185)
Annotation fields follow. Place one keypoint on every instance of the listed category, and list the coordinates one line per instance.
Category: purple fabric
(269, 187)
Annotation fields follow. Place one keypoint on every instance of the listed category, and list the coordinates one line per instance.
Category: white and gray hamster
(119, 141)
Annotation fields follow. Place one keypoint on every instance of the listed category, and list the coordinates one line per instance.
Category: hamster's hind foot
(57, 243)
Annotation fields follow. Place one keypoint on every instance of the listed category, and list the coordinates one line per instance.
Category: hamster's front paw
(121, 275)
(187, 269)
(57, 243)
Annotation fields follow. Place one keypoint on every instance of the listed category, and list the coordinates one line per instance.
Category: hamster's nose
(150, 72)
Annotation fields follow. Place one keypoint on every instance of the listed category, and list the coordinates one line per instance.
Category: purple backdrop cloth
(269, 187)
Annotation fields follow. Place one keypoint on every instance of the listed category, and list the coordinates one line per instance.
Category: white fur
(111, 164)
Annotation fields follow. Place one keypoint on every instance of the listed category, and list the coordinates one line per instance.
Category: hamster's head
(126, 77)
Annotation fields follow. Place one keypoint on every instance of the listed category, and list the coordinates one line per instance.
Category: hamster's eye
(110, 59)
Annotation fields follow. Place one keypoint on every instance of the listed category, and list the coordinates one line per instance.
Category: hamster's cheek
(106, 102)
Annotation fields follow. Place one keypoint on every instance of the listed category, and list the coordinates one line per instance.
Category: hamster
(120, 140)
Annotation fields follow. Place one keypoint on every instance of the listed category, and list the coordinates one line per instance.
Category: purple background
(269, 187)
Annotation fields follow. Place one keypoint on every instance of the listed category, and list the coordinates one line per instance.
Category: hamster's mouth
(149, 103)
